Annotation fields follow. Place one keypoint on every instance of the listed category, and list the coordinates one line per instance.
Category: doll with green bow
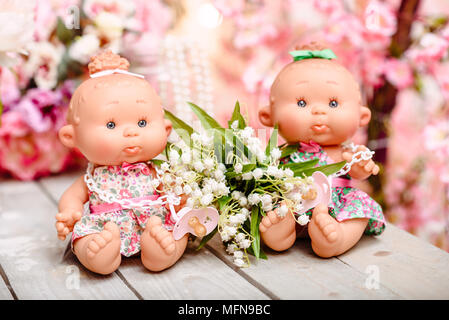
(316, 103)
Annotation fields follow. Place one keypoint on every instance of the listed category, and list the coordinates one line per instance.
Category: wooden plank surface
(5, 294)
(408, 266)
(299, 274)
(197, 275)
(30, 252)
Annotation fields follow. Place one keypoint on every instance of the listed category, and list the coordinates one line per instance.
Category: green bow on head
(309, 54)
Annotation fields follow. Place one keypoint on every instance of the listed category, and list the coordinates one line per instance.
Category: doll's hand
(65, 221)
(362, 169)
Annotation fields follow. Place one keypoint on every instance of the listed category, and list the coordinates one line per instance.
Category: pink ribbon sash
(115, 206)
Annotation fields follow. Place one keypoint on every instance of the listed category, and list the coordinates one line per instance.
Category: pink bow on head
(139, 165)
(311, 147)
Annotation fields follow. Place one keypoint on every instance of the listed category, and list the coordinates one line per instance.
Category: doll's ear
(67, 136)
(168, 126)
(265, 116)
(365, 116)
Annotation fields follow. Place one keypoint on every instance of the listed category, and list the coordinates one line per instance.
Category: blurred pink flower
(151, 16)
(398, 73)
(229, 8)
(44, 19)
(373, 68)
(9, 90)
(431, 48)
(436, 138)
(13, 125)
(441, 73)
(380, 18)
(328, 6)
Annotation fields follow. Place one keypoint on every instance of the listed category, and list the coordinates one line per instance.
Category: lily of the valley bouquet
(228, 168)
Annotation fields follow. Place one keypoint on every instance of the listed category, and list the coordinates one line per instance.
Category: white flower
(238, 168)
(272, 170)
(261, 156)
(303, 219)
(173, 156)
(165, 166)
(208, 163)
(253, 198)
(197, 193)
(279, 173)
(247, 176)
(243, 201)
(222, 188)
(190, 202)
(230, 230)
(186, 157)
(288, 186)
(246, 243)
(234, 220)
(235, 125)
(275, 153)
(84, 47)
(187, 189)
(283, 210)
(207, 140)
(244, 212)
(298, 207)
(17, 17)
(42, 64)
(231, 248)
(239, 237)
(288, 173)
(241, 217)
(238, 254)
(167, 179)
(267, 208)
(198, 165)
(178, 190)
(247, 132)
(239, 262)
(207, 199)
(218, 174)
(195, 137)
(109, 25)
(257, 173)
(178, 180)
(295, 196)
(266, 199)
(236, 195)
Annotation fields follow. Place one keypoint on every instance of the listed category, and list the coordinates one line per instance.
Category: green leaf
(262, 254)
(326, 169)
(219, 147)
(64, 35)
(181, 128)
(223, 201)
(255, 220)
(206, 238)
(288, 150)
(157, 162)
(300, 165)
(206, 120)
(273, 142)
(237, 116)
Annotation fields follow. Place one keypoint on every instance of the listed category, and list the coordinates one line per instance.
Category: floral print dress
(124, 183)
(347, 202)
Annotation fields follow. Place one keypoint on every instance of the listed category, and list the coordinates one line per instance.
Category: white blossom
(283, 210)
(186, 157)
(239, 237)
(275, 153)
(208, 163)
(253, 198)
(165, 166)
(198, 165)
(236, 195)
(231, 248)
(235, 125)
(303, 219)
(243, 201)
(207, 199)
(288, 173)
(244, 212)
(238, 254)
(178, 190)
(266, 199)
(190, 202)
(247, 176)
(173, 156)
(245, 243)
(238, 168)
(257, 173)
(239, 262)
(272, 170)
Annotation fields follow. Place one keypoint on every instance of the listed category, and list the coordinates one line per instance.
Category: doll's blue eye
(302, 103)
(110, 125)
(142, 123)
(333, 103)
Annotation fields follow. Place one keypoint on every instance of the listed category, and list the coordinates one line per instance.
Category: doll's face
(317, 100)
(115, 125)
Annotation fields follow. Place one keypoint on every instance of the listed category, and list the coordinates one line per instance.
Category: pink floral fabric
(127, 181)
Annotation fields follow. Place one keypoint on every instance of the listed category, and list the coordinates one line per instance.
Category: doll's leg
(278, 233)
(100, 252)
(159, 250)
(331, 238)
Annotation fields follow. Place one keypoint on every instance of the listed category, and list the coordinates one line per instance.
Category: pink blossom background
(247, 50)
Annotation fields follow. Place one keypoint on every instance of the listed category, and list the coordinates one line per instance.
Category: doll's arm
(363, 169)
(71, 207)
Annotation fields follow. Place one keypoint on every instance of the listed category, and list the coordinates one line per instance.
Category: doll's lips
(320, 128)
(132, 150)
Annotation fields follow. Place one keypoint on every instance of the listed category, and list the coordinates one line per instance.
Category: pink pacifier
(321, 192)
(198, 222)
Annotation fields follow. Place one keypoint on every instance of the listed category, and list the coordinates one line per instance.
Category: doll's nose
(130, 132)
(318, 109)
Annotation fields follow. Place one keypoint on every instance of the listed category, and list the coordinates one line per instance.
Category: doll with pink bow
(317, 104)
(116, 121)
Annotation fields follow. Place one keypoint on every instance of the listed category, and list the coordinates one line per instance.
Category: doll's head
(116, 117)
(315, 99)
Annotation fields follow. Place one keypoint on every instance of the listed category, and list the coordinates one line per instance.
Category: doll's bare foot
(278, 233)
(100, 252)
(325, 232)
(159, 249)
(331, 238)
